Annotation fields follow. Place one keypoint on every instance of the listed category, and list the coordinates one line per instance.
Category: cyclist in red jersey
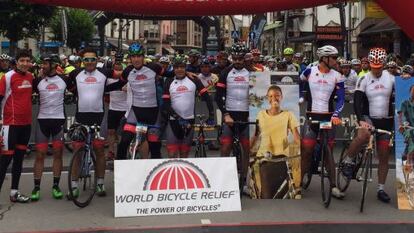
(16, 98)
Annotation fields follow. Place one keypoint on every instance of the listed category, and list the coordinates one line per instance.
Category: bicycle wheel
(67, 141)
(342, 182)
(409, 188)
(326, 186)
(132, 152)
(238, 153)
(200, 151)
(81, 172)
(366, 167)
(306, 180)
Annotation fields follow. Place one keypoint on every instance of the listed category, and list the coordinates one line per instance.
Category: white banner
(175, 186)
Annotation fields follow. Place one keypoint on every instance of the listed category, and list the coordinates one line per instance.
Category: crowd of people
(162, 90)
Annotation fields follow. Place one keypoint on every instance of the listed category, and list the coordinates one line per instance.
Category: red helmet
(255, 52)
(377, 57)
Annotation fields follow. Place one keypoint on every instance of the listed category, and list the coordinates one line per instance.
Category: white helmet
(5, 57)
(164, 59)
(326, 51)
(73, 58)
(62, 57)
(356, 62)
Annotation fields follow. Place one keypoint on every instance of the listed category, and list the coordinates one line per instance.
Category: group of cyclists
(162, 91)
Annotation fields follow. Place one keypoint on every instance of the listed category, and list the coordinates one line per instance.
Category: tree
(80, 27)
(20, 20)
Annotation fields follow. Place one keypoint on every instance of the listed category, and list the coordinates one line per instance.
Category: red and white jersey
(17, 102)
(51, 95)
(237, 84)
(378, 91)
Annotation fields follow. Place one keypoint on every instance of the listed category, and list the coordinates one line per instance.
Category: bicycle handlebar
(374, 130)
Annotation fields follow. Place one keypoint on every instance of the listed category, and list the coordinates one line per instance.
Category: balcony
(297, 13)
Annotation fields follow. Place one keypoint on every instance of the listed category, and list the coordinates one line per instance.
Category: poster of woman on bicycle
(275, 139)
(404, 142)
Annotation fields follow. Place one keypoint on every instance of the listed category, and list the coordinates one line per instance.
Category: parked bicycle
(82, 165)
(200, 151)
(140, 136)
(407, 163)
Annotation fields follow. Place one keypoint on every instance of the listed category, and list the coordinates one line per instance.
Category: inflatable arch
(401, 11)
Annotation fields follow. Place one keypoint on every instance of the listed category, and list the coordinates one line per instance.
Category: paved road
(257, 215)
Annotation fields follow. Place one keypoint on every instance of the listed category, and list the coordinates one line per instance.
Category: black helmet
(179, 61)
(119, 57)
(238, 49)
(52, 58)
(205, 62)
(77, 132)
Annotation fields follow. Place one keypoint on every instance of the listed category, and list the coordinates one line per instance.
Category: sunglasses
(89, 59)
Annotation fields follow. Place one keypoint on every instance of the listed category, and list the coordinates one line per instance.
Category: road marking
(205, 221)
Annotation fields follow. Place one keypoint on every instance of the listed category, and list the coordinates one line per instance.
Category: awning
(114, 42)
(169, 49)
(385, 25)
(302, 39)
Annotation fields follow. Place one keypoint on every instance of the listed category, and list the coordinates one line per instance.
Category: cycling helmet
(271, 60)
(298, 55)
(194, 52)
(364, 59)
(377, 57)
(345, 63)
(164, 59)
(392, 64)
(136, 49)
(288, 51)
(62, 57)
(73, 58)
(179, 61)
(255, 52)
(51, 58)
(248, 57)
(5, 57)
(222, 54)
(77, 132)
(205, 62)
(356, 62)
(119, 57)
(408, 69)
(238, 49)
(326, 51)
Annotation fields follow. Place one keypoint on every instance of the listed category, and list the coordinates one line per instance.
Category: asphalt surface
(306, 215)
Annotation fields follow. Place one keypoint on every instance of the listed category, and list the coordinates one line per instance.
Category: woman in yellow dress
(274, 126)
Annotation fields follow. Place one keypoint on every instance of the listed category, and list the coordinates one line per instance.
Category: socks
(13, 192)
(100, 181)
(380, 187)
(56, 180)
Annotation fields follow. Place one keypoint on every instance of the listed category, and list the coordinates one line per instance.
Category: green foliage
(80, 26)
(21, 20)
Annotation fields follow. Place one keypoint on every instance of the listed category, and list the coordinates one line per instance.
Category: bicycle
(342, 182)
(238, 152)
(82, 165)
(407, 163)
(370, 150)
(200, 151)
(140, 136)
(325, 152)
(287, 189)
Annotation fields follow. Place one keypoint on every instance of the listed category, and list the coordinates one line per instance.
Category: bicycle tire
(200, 151)
(132, 153)
(238, 153)
(80, 154)
(409, 188)
(342, 182)
(365, 181)
(306, 180)
(326, 191)
(67, 141)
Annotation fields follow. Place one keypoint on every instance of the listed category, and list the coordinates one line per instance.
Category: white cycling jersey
(117, 99)
(378, 92)
(51, 97)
